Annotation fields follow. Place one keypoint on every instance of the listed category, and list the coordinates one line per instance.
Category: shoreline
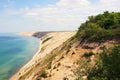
(25, 66)
(49, 46)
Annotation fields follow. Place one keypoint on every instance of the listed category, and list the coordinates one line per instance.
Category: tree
(104, 24)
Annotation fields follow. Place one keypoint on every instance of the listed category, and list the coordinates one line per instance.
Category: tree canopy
(100, 26)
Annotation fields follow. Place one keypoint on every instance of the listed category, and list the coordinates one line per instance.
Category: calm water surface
(15, 51)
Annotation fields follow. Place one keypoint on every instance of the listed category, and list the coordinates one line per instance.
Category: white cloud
(108, 1)
(68, 14)
(65, 13)
(74, 3)
(110, 5)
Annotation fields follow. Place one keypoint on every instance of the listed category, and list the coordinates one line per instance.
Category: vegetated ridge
(92, 54)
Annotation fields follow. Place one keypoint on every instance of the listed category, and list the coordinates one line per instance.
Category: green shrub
(43, 74)
(108, 66)
(88, 54)
(65, 78)
(46, 39)
(49, 65)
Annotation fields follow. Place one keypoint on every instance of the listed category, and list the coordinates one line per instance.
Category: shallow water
(15, 51)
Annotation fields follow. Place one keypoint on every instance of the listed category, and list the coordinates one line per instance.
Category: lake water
(15, 51)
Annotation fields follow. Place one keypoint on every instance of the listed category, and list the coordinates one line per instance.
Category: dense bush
(98, 28)
(108, 65)
(86, 55)
(43, 74)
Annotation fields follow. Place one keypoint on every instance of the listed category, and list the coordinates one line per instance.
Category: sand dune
(47, 43)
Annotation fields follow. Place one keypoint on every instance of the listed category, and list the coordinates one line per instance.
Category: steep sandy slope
(64, 64)
(48, 43)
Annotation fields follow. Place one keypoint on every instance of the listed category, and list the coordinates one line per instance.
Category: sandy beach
(47, 43)
(26, 33)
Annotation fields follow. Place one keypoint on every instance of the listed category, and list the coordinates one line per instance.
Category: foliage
(43, 74)
(108, 65)
(65, 78)
(50, 65)
(47, 39)
(83, 69)
(88, 54)
(99, 27)
(79, 78)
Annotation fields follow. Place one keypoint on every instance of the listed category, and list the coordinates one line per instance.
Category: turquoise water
(15, 51)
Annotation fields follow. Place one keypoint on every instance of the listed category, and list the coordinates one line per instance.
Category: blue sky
(50, 15)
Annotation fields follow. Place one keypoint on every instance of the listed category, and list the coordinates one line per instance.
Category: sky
(50, 15)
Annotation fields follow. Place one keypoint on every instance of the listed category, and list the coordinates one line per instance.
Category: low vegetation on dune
(101, 28)
(107, 66)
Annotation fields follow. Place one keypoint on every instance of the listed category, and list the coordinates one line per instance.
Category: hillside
(48, 42)
(93, 53)
(73, 58)
(90, 54)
